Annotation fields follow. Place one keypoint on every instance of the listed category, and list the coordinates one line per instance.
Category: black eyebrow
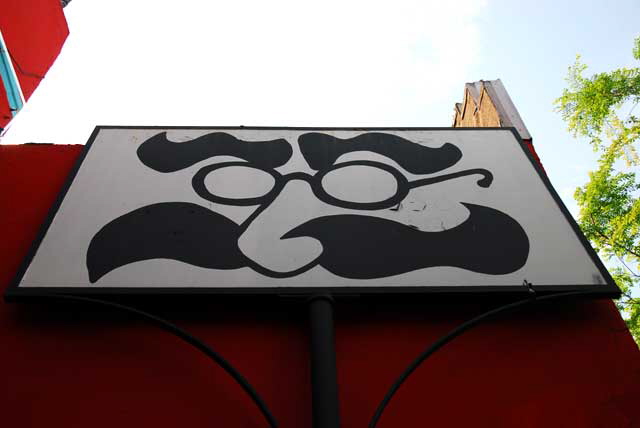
(162, 155)
(322, 150)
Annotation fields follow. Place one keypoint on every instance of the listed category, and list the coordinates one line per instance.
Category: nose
(262, 241)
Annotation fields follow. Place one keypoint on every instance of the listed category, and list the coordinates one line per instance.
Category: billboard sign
(297, 210)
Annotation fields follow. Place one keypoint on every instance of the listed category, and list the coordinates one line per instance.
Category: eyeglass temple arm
(485, 181)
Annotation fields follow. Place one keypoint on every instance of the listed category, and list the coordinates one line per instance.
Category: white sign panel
(254, 210)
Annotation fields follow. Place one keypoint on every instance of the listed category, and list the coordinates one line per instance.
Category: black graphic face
(334, 203)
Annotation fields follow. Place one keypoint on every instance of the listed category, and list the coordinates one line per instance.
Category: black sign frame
(16, 293)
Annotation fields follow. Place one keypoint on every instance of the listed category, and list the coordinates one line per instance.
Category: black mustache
(354, 246)
(322, 150)
(172, 230)
(362, 247)
(162, 155)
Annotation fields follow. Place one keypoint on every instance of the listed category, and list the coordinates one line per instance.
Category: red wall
(562, 364)
(34, 31)
(533, 152)
(5, 111)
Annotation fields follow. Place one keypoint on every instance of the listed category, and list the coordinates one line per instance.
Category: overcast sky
(330, 63)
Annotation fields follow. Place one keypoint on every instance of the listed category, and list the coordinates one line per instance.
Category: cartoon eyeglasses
(376, 184)
(288, 233)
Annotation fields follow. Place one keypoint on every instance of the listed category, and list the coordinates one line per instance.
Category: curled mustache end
(179, 231)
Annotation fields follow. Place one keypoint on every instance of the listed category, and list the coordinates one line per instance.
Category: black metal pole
(324, 376)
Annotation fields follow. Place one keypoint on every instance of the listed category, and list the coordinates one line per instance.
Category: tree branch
(631, 300)
(628, 268)
(608, 239)
(631, 111)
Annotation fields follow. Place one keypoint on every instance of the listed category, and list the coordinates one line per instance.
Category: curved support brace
(455, 333)
(186, 337)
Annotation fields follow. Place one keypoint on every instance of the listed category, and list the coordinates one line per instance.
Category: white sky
(330, 63)
(279, 63)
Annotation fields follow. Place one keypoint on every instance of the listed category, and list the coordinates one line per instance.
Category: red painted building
(569, 363)
(32, 33)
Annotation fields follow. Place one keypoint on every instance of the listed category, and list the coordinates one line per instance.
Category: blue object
(9, 79)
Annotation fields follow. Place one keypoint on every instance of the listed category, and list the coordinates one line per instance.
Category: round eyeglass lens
(239, 182)
(363, 184)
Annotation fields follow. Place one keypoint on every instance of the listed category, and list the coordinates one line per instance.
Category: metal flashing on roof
(508, 112)
(509, 116)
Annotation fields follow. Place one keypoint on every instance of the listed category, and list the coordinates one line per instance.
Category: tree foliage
(609, 205)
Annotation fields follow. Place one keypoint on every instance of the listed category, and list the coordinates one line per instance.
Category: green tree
(609, 205)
